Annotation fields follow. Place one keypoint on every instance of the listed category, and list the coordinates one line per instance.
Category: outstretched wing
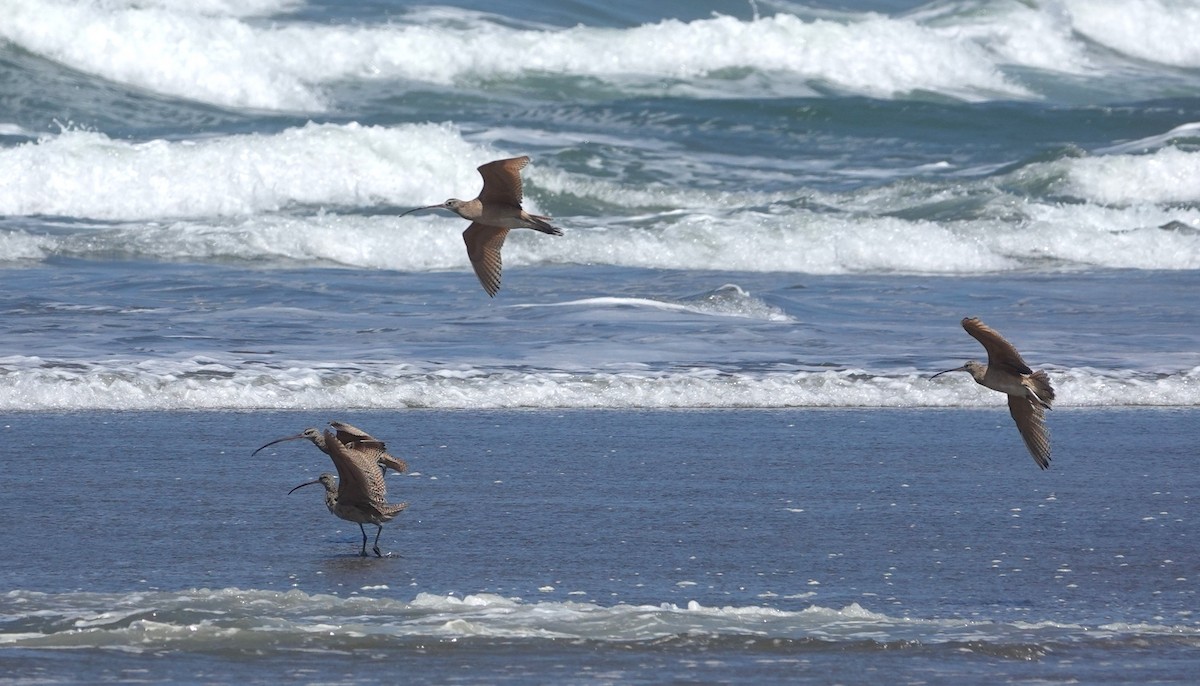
(502, 181)
(356, 439)
(483, 247)
(360, 481)
(1031, 422)
(1001, 353)
(348, 434)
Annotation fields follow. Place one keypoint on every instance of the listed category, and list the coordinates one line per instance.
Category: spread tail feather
(1039, 383)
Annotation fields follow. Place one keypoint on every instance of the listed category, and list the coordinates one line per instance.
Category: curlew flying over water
(1029, 393)
(353, 439)
(492, 215)
(358, 494)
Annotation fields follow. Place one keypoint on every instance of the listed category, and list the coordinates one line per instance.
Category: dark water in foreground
(771, 209)
(741, 546)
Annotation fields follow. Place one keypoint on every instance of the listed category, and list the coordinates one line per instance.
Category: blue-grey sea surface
(695, 438)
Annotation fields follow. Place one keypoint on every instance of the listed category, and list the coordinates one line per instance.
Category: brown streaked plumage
(1029, 393)
(359, 494)
(492, 215)
(355, 439)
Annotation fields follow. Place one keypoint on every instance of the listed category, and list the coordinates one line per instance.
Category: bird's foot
(377, 553)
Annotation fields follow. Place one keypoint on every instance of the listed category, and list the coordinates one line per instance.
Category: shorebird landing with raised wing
(358, 494)
(492, 215)
(1029, 393)
(354, 439)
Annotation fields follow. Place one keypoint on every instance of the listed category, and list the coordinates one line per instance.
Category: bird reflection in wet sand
(1029, 393)
(496, 211)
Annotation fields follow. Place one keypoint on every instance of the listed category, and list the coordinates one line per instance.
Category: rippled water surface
(693, 438)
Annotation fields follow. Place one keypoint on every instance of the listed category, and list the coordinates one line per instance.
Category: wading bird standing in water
(359, 493)
(1029, 393)
(492, 215)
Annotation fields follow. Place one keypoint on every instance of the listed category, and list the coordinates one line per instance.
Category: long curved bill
(956, 369)
(427, 207)
(306, 483)
(278, 440)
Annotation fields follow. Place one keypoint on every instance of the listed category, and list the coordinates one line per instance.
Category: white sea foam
(30, 383)
(209, 53)
(215, 51)
(728, 300)
(257, 196)
(166, 47)
(234, 618)
(1166, 176)
(1190, 130)
(803, 244)
(85, 174)
(7, 129)
(18, 246)
(1012, 33)
(1136, 237)
(1162, 31)
(1142, 237)
(231, 8)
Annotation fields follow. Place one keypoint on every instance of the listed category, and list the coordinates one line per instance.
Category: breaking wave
(223, 53)
(299, 194)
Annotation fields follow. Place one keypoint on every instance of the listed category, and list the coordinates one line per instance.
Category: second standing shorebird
(1029, 393)
(496, 211)
(359, 494)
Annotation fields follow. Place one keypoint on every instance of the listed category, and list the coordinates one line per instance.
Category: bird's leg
(363, 553)
(380, 531)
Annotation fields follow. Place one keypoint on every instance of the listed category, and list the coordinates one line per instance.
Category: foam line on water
(258, 620)
(31, 383)
(728, 301)
(1052, 236)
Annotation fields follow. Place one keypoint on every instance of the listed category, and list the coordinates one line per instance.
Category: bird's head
(327, 480)
(309, 433)
(975, 369)
(453, 204)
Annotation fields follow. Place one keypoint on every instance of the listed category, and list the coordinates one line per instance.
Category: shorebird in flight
(1029, 393)
(492, 215)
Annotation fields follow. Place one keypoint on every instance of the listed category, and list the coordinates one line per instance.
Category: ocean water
(692, 439)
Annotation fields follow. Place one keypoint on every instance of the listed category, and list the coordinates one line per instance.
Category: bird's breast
(1009, 384)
